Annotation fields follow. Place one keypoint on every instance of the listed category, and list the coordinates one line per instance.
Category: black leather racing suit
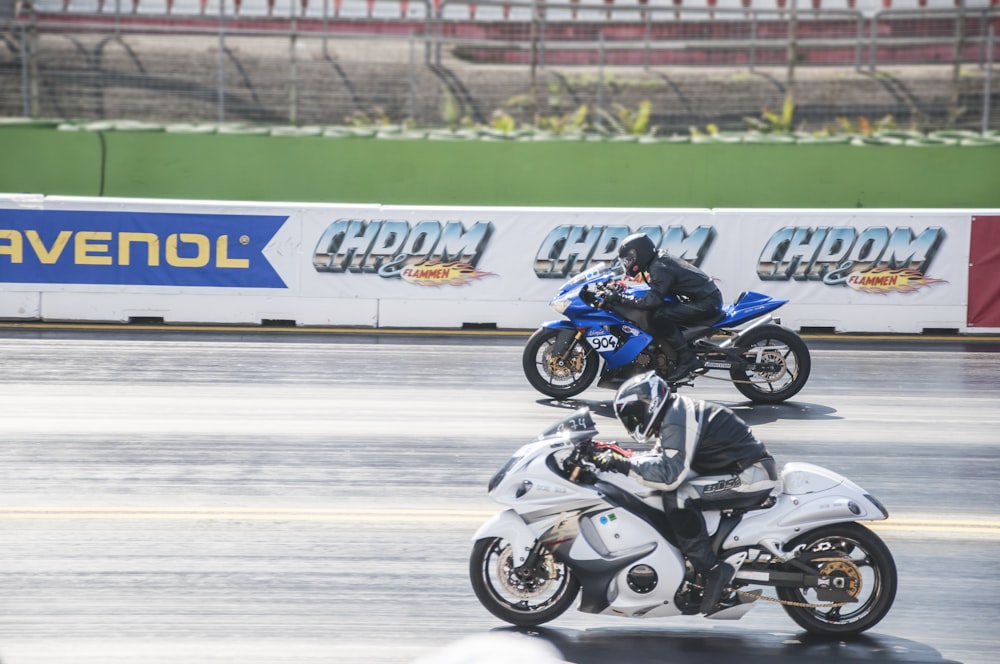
(698, 299)
(716, 444)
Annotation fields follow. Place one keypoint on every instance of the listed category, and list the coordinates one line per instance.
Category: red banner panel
(984, 272)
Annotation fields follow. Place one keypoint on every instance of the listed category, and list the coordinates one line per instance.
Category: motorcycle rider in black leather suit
(732, 467)
(697, 298)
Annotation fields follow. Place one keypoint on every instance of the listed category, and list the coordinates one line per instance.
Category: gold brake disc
(562, 367)
(836, 568)
(844, 570)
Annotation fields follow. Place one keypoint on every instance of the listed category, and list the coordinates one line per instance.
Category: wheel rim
(522, 593)
(561, 373)
(853, 568)
(775, 366)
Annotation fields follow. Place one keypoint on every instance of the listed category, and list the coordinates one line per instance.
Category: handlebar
(579, 465)
(610, 286)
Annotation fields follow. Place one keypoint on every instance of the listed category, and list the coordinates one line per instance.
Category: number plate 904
(603, 342)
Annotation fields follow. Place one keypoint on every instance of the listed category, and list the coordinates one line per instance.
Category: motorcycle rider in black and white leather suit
(731, 466)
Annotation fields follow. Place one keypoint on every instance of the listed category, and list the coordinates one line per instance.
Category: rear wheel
(558, 375)
(778, 364)
(859, 563)
(521, 597)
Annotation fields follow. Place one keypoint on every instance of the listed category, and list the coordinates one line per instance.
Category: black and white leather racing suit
(729, 462)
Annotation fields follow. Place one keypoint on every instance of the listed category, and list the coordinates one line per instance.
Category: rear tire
(559, 378)
(525, 602)
(868, 568)
(779, 364)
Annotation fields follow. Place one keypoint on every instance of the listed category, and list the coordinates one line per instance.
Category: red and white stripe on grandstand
(492, 10)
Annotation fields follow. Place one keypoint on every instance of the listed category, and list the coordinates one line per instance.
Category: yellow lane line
(243, 329)
(954, 528)
(927, 525)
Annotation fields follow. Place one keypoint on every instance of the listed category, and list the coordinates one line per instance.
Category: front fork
(564, 343)
(531, 570)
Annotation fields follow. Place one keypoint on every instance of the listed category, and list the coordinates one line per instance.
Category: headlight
(560, 304)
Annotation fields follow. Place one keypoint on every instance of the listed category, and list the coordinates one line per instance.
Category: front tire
(779, 364)
(525, 600)
(862, 563)
(558, 376)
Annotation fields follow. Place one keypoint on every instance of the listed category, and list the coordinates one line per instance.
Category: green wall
(158, 164)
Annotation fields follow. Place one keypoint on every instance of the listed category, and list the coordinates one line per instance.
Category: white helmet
(640, 403)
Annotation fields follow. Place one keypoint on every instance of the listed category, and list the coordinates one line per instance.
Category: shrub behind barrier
(324, 165)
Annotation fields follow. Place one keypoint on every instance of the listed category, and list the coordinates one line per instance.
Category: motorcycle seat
(696, 332)
(745, 503)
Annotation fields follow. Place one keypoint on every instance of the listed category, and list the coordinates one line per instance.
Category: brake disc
(519, 582)
(561, 367)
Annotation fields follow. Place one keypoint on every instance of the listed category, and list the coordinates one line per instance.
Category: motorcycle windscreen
(578, 426)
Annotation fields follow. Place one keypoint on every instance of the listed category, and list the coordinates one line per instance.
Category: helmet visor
(633, 417)
(628, 260)
(639, 404)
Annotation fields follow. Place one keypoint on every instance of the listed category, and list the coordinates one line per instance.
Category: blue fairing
(748, 306)
(600, 323)
(596, 322)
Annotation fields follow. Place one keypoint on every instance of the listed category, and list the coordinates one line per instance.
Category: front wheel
(777, 364)
(861, 564)
(513, 594)
(559, 375)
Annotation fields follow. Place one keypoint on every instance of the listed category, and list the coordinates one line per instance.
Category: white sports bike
(571, 528)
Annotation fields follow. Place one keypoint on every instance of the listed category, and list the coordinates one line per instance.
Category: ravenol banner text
(137, 248)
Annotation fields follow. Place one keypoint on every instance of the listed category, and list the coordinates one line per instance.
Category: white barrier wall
(112, 260)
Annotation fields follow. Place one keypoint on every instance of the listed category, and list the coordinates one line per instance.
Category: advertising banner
(829, 264)
(984, 272)
(137, 248)
(866, 270)
(507, 254)
(399, 266)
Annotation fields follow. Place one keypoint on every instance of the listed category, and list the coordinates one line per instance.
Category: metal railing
(449, 45)
(647, 33)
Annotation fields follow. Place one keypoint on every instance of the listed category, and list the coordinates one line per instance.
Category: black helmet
(636, 253)
(640, 403)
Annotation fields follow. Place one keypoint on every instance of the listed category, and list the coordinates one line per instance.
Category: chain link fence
(651, 67)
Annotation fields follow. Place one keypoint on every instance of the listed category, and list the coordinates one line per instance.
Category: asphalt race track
(254, 496)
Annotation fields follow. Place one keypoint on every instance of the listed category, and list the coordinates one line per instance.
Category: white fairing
(626, 566)
(510, 526)
(539, 499)
(811, 497)
(614, 534)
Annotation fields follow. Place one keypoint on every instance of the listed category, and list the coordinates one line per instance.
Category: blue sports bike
(766, 362)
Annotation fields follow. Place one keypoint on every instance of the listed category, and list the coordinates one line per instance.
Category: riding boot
(716, 580)
(686, 361)
(692, 539)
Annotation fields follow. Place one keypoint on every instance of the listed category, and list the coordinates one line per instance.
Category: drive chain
(804, 605)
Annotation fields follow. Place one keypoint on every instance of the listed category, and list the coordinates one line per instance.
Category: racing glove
(590, 297)
(610, 298)
(616, 462)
